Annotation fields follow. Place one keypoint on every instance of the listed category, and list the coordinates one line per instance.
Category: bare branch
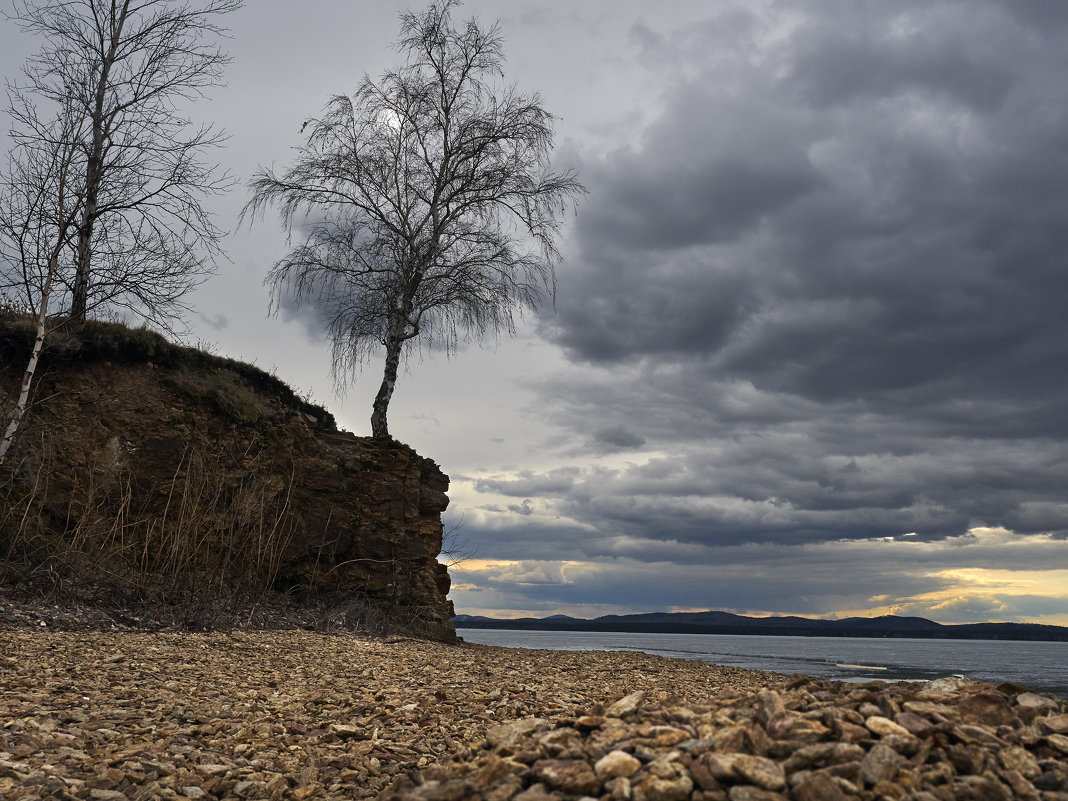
(427, 202)
(126, 67)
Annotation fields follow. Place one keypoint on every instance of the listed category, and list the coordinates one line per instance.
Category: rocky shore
(293, 714)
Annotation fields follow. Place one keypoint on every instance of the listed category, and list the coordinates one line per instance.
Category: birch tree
(127, 67)
(41, 199)
(426, 202)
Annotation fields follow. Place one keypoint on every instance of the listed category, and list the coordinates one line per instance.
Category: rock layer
(168, 465)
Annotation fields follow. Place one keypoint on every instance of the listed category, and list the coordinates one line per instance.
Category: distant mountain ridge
(714, 622)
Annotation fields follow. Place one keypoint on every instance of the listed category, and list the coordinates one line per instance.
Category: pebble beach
(298, 714)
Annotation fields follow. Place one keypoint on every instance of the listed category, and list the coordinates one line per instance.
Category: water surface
(1042, 666)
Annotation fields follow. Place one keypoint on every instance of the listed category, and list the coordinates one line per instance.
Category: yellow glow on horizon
(1031, 582)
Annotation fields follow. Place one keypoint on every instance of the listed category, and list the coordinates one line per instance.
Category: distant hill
(713, 622)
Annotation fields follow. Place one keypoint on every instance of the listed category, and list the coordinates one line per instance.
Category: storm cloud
(826, 283)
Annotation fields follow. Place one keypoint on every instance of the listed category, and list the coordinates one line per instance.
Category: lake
(1043, 666)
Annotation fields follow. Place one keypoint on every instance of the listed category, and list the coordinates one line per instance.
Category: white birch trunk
(31, 367)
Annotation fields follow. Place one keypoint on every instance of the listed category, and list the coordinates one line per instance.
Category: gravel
(292, 714)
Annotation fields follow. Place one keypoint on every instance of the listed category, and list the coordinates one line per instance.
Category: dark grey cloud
(868, 210)
(824, 286)
(616, 438)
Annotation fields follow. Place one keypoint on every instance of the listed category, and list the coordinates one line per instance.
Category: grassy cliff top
(96, 341)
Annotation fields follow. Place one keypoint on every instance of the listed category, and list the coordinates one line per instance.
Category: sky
(809, 345)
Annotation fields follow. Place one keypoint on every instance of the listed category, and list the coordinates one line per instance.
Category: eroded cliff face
(205, 472)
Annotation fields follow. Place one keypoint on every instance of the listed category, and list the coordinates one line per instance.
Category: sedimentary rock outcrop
(168, 470)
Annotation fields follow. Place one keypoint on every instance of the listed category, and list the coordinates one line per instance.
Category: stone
(662, 736)
(880, 764)
(618, 789)
(574, 776)
(1035, 701)
(884, 726)
(746, 792)
(982, 788)
(1058, 741)
(966, 759)
(948, 686)
(1050, 780)
(625, 705)
(589, 722)
(536, 792)
(1054, 724)
(769, 706)
(817, 787)
(990, 707)
(507, 734)
(721, 766)
(346, 732)
(851, 732)
(929, 709)
(976, 734)
(674, 787)
(809, 756)
(760, 771)
(1018, 759)
(616, 763)
(779, 728)
(912, 723)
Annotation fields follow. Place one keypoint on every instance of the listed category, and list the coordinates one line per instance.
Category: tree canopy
(426, 203)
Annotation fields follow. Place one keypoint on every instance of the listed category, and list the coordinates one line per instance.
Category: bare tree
(427, 201)
(41, 200)
(126, 66)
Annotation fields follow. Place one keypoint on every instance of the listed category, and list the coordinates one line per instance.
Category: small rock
(192, 791)
(760, 771)
(569, 775)
(817, 787)
(663, 736)
(990, 707)
(927, 709)
(769, 706)
(912, 723)
(536, 792)
(976, 734)
(880, 764)
(510, 733)
(618, 789)
(625, 705)
(721, 766)
(349, 732)
(948, 686)
(851, 732)
(779, 728)
(746, 792)
(616, 763)
(1056, 724)
(1058, 741)
(675, 787)
(884, 726)
(1018, 759)
(1035, 701)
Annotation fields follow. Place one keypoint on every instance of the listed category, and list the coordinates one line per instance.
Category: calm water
(1040, 665)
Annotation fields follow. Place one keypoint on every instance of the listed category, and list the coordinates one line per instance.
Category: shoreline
(1038, 665)
(296, 714)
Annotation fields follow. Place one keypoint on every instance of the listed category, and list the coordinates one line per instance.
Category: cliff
(162, 474)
